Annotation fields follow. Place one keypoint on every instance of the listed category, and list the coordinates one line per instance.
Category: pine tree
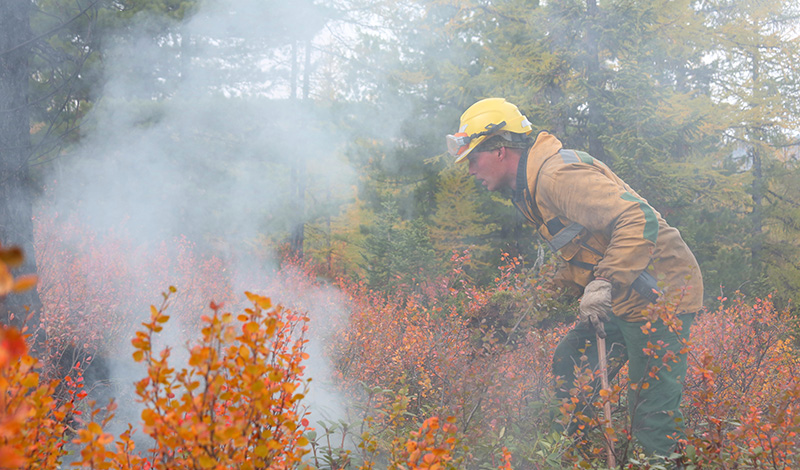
(397, 254)
(756, 53)
(459, 224)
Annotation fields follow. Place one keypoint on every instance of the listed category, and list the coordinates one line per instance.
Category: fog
(192, 146)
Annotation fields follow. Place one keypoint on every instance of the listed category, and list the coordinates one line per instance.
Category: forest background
(218, 145)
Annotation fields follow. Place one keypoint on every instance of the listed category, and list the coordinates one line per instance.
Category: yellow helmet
(484, 119)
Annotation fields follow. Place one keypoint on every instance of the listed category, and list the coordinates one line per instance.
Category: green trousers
(653, 402)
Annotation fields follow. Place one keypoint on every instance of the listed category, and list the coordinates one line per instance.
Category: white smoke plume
(192, 143)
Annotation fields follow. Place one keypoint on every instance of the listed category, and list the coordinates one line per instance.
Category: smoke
(200, 138)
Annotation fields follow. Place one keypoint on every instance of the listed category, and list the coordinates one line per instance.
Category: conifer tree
(755, 50)
(397, 254)
(459, 223)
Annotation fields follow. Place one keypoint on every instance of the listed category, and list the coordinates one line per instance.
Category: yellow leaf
(138, 356)
(229, 433)
(250, 327)
(206, 461)
(148, 416)
(25, 282)
(30, 380)
(275, 375)
(94, 428)
(264, 302)
(6, 281)
(261, 450)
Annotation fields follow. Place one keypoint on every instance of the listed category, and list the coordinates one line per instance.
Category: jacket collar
(546, 146)
(521, 184)
(524, 195)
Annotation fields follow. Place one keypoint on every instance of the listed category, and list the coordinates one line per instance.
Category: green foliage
(782, 245)
(669, 93)
(65, 73)
(397, 254)
(459, 223)
(694, 104)
(172, 9)
(754, 49)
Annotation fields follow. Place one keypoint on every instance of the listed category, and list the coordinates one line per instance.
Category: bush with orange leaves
(414, 353)
(236, 405)
(31, 420)
(441, 348)
(430, 448)
(453, 349)
(742, 389)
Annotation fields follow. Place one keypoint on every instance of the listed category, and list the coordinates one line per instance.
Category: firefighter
(617, 252)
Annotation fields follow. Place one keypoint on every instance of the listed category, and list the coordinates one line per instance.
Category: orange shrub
(449, 349)
(416, 350)
(31, 422)
(742, 388)
(430, 448)
(442, 347)
(238, 403)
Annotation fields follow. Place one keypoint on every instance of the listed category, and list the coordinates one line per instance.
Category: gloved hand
(596, 305)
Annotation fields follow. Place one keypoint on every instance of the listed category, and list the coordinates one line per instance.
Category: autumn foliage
(237, 404)
(482, 357)
(30, 424)
(439, 374)
(96, 286)
(743, 390)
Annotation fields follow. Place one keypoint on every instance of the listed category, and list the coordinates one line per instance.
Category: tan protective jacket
(602, 228)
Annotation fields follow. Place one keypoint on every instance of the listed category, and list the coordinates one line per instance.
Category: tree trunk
(299, 172)
(758, 177)
(758, 210)
(595, 83)
(16, 189)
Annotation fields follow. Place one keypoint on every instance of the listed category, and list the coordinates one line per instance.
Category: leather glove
(596, 305)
